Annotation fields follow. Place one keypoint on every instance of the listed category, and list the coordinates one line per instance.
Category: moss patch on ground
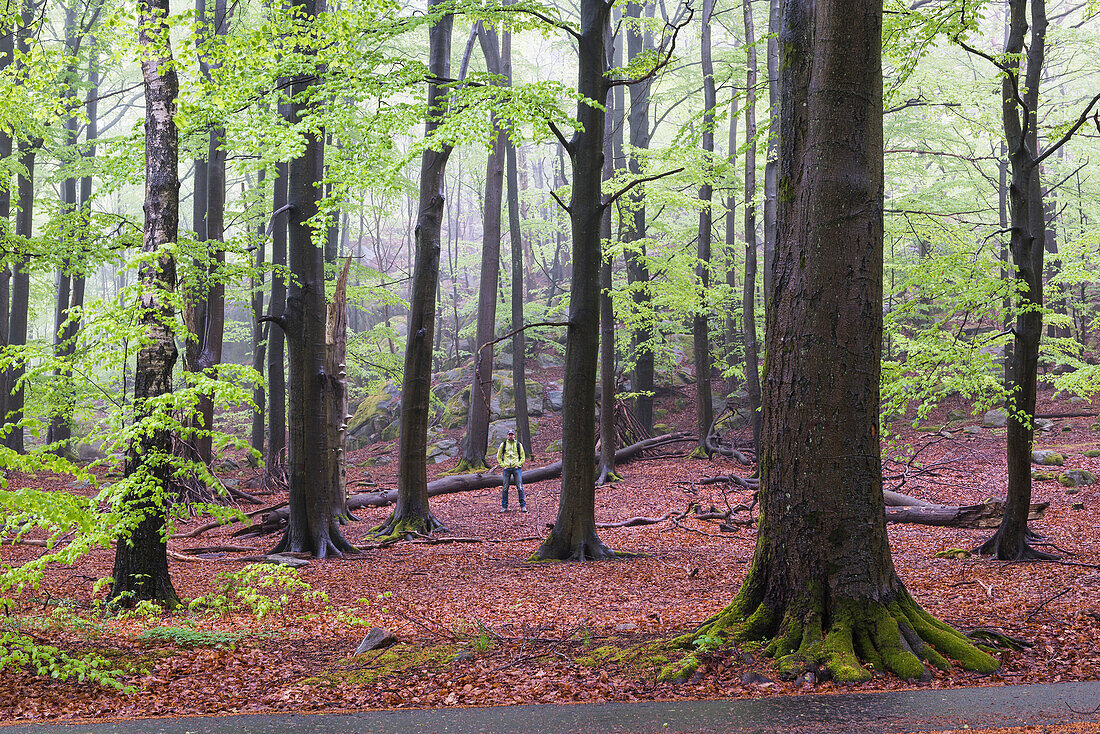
(367, 668)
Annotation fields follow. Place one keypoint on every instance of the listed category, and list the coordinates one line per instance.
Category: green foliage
(190, 636)
(257, 589)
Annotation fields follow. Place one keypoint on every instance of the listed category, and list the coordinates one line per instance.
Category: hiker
(510, 457)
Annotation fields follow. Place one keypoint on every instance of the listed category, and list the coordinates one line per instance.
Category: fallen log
(466, 482)
(985, 515)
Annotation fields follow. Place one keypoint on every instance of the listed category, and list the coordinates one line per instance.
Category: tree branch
(618, 194)
(1069, 133)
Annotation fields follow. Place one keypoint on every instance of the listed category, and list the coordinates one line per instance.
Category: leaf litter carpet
(479, 625)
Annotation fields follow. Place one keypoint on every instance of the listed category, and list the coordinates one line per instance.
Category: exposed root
(607, 476)
(700, 452)
(326, 542)
(588, 547)
(465, 466)
(394, 530)
(850, 641)
(1003, 548)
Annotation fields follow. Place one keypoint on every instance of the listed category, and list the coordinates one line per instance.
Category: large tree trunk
(700, 322)
(574, 534)
(477, 427)
(141, 555)
(822, 588)
(316, 507)
(519, 348)
(633, 232)
(752, 356)
(1026, 242)
(412, 514)
(606, 472)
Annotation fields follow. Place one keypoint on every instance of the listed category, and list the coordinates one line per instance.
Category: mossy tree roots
(408, 527)
(850, 640)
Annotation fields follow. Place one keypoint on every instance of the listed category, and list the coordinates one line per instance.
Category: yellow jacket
(510, 454)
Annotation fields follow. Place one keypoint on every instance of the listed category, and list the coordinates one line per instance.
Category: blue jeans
(515, 474)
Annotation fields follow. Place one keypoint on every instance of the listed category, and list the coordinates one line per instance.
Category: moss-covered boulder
(442, 450)
(373, 415)
(1045, 457)
(1091, 453)
(995, 419)
(1076, 478)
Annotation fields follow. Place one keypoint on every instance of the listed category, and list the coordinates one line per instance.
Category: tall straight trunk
(7, 54)
(700, 323)
(733, 338)
(634, 228)
(259, 332)
(412, 513)
(752, 357)
(574, 534)
(1006, 260)
(818, 592)
(519, 348)
(771, 165)
(20, 293)
(606, 471)
(276, 340)
(141, 554)
(206, 315)
(315, 503)
(477, 427)
(1059, 303)
(1027, 240)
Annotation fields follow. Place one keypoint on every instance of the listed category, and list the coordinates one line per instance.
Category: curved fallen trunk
(985, 515)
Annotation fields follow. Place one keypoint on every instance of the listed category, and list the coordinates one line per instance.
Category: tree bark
(7, 54)
(574, 534)
(20, 293)
(412, 515)
(274, 458)
(752, 356)
(822, 588)
(141, 555)
(771, 166)
(606, 472)
(260, 333)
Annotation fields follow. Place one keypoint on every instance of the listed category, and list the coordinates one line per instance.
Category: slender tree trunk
(634, 230)
(274, 459)
(141, 554)
(477, 427)
(1027, 240)
(260, 333)
(519, 347)
(818, 592)
(606, 471)
(771, 166)
(733, 338)
(752, 357)
(7, 54)
(574, 534)
(412, 514)
(20, 292)
(700, 323)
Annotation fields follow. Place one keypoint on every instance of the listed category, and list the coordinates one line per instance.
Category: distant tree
(700, 322)
(748, 301)
(477, 426)
(7, 56)
(822, 588)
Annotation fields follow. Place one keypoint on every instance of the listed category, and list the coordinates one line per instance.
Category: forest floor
(479, 625)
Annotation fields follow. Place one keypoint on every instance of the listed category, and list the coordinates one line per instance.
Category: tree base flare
(325, 542)
(395, 529)
(1004, 548)
(586, 548)
(854, 641)
(465, 466)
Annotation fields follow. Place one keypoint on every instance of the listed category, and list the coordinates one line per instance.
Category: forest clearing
(478, 625)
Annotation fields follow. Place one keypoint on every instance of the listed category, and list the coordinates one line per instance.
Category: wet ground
(871, 713)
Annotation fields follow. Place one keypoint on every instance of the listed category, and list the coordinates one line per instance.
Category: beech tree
(141, 554)
(822, 588)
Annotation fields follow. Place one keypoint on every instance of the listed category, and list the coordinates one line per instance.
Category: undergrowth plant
(258, 589)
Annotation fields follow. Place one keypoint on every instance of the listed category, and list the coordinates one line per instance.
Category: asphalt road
(853, 713)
